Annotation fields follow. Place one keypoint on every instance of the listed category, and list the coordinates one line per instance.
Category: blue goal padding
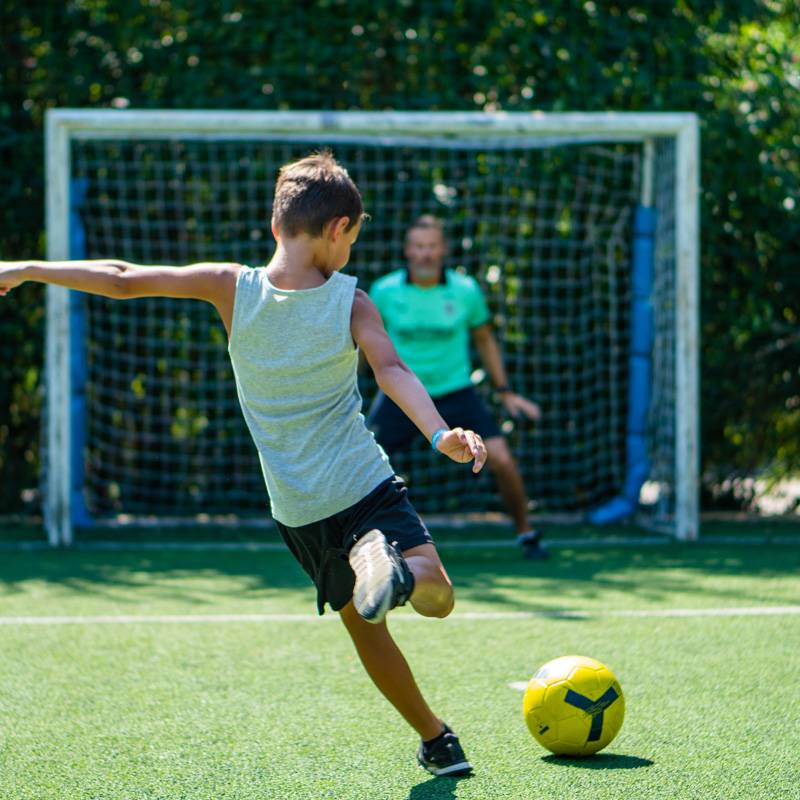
(78, 362)
(637, 465)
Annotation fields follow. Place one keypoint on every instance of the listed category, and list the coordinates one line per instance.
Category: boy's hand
(11, 276)
(463, 446)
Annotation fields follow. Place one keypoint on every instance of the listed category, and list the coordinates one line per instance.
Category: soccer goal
(582, 230)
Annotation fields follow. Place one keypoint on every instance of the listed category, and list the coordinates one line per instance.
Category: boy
(294, 329)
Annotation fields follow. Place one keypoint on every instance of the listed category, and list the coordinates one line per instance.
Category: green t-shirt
(430, 325)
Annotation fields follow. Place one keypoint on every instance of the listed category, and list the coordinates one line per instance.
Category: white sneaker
(383, 579)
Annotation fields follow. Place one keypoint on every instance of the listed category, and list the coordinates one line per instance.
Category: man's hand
(11, 276)
(463, 446)
(516, 404)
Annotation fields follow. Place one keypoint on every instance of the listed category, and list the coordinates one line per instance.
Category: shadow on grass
(600, 761)
(498, 577)
(436, 788)
(194, 578)
(653, 574)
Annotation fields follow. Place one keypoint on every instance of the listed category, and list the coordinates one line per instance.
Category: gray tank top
(295, 366)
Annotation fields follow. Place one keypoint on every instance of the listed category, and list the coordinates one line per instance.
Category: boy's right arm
(214, 283)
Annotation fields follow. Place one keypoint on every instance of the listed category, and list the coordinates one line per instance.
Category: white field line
(477, 616)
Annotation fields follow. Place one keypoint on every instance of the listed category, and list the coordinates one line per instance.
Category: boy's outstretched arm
(402, 386)
(214, 283)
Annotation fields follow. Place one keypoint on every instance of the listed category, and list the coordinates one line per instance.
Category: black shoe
(532, 547)
(444, 756)
(383, 579)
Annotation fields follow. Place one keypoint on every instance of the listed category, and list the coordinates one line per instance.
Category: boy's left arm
(214, 283)
(402, 386)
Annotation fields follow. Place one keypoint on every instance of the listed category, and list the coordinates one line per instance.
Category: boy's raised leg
(433, 590)
(383, 578)
(386, 579)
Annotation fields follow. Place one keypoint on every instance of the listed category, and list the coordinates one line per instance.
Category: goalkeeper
(291, 330)
(430, 313)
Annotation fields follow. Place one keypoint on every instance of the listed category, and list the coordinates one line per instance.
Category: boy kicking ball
(294, 329)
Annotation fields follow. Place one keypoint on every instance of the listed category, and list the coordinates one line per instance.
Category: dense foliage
(735, 63)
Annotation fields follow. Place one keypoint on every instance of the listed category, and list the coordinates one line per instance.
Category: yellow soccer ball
(574, 706)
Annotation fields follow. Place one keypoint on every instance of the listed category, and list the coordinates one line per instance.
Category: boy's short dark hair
(313, 191)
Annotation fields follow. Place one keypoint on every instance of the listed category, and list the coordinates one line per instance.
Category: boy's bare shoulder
(218, 286)
(363, 308)
(224, 275)
(231, 270)
(227, 270)
(360, 298)
(366, 325)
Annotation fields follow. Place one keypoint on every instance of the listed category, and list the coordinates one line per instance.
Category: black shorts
(460, 409)
(322, 547)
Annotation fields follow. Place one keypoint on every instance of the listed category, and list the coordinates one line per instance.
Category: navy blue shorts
(322, 547)
(460, 409)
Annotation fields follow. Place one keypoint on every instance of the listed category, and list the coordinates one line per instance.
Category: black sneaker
(532, 547)
(444, 756)
(383, 579)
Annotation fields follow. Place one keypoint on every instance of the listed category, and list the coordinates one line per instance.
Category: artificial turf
(280, 707)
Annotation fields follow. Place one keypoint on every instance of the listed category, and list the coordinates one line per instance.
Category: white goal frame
(65, 125)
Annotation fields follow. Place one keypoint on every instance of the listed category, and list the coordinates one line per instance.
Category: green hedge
(735, 63)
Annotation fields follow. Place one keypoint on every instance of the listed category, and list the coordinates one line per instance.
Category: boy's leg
(440, 752)
(390, 672)
(386, 665)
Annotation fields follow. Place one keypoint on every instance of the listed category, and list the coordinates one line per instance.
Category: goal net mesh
(545, 227)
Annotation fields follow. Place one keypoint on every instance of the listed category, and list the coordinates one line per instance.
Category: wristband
(502, 389)
(436, 436)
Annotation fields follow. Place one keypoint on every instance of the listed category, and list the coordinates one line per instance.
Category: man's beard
(426, 271)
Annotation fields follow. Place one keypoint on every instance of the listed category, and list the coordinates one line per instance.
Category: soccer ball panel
(614, 715)
(543, 727)
(585, 681)
(539, 719)
(534, 696)
(554, 695)
(573, 731)
(560, 668)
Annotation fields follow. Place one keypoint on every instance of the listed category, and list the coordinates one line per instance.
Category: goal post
(545, 210)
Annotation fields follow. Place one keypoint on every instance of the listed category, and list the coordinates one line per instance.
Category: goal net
(571, 225)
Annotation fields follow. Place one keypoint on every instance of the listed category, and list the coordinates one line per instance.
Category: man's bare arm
(402, 386)
(214, 283)
(489, 351)
(492, 359)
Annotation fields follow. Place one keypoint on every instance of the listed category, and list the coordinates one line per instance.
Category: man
(429, 314)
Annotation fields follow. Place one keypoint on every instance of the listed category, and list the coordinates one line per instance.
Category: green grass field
(137, 674)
